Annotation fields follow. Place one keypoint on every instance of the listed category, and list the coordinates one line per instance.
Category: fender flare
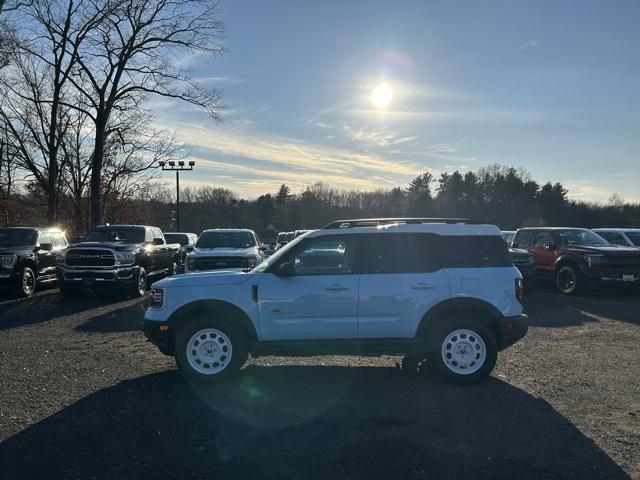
(461, 304)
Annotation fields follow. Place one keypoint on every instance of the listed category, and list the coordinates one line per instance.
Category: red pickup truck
(576, 257)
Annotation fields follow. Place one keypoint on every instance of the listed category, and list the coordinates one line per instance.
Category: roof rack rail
(373, 222)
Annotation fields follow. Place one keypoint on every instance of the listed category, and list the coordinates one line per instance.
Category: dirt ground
(82, 395)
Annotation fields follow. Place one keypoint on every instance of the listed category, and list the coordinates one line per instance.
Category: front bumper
(513, 329)
(8, 278)
(612, 277)
(97, 277)
(160, 334)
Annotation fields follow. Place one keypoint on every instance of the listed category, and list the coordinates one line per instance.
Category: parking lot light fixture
(173, 168)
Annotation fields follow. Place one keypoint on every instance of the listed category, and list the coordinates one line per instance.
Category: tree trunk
(96, 173)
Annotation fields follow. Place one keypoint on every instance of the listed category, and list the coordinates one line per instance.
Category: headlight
(125, 258)
(595, 260)
(156, 297)
(252, 261)
(8, 261)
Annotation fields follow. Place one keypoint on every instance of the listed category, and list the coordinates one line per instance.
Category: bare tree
(135, 52)
(35, 85)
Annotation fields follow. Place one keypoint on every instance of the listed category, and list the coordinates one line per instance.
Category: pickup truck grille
(77, 257)
(623, 261)
(220, 263)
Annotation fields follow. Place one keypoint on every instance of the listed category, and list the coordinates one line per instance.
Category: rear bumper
(513, 329)
(161, 338)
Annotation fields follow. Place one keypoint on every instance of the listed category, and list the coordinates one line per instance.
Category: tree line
(505, 196)
(75, 79)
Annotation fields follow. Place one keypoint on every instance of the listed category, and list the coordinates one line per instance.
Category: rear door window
(473, 251)
(396, 253)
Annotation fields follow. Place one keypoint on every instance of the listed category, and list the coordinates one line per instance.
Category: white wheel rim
(463, 352)
(209, 351)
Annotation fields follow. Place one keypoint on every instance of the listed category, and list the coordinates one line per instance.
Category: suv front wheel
(467, 352)
(569, 280)
(209, 350)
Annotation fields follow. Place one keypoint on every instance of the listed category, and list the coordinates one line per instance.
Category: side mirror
(188, 248)
(286, 269)
(549, 246)
(514, 245)
(47, 247)
(158, 241)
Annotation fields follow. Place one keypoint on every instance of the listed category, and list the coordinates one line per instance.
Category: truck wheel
(140, 286)
(569, 280)
(467, 352)
(208, 350)
(26, 282)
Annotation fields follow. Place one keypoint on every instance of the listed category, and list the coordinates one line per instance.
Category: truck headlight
(156, 297)
(8, 261)
(125, 258)
(593, 260)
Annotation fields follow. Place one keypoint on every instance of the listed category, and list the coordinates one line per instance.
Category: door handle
(422, 286)
(336, 288)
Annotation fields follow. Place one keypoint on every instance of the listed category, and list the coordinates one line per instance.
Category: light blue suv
(424, 288)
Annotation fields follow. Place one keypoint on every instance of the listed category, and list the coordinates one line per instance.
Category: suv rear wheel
(467, 352)
(569, 280)
(209, 350)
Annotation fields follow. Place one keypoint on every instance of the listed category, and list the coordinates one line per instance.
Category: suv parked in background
(626, 237)
(117, 255)
(418, 287)
(186, 241)
(225, 249)
(28, 257)
(576, 257)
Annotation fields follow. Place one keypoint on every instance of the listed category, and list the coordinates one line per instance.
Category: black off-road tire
(569, 280)
(141, 283)
(27, 282)
(235, 341)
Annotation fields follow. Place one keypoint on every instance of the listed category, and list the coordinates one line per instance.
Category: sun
(381, 96)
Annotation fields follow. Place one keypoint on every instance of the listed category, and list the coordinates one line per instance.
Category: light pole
(180, 167)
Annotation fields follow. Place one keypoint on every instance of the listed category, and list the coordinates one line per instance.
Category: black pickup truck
(117, 255)
(28, 257)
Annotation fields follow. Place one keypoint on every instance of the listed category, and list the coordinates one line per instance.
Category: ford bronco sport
(425, 288)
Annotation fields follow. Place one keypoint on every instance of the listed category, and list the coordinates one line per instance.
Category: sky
(368, 94)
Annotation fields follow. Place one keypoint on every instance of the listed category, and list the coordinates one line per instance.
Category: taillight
(519, 288)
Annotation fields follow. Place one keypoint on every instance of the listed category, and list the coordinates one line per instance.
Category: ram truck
(127, 256)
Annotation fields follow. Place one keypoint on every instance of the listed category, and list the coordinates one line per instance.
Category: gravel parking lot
(82, 395)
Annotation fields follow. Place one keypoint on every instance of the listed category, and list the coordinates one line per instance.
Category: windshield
(281, 236)
(265, 264)
(116, 234)
(226, 240)
(13, 237)
(634, 237)
(579, 237)
(176, 238)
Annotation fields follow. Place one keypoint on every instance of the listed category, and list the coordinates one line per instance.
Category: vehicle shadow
(306, 422)
(547, 308)
(125, 319)
(51, 304)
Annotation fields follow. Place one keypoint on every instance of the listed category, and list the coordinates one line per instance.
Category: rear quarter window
(473, 252)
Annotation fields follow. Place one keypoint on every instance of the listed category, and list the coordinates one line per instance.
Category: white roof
(455, 229)
(227, 230)
(621, 230)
